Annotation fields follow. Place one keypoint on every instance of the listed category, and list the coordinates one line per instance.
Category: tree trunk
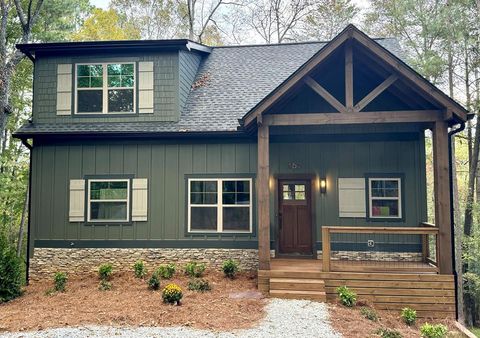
(22, 222)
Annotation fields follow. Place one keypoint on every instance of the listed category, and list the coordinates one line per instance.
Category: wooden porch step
(297, 284)
(295, 294)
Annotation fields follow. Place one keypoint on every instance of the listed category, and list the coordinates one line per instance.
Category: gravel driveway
(285, 318)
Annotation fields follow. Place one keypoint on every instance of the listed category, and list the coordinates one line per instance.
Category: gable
(353, 73)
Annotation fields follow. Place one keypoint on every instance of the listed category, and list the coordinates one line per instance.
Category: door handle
(279, 221)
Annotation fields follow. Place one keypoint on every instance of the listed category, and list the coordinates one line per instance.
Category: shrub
(347, 296)
(230, 268)
(10, 273)
(172, 294)
(60, 281)
(105, 271)
(369, 313)
(104, 285)
(433, 331)
(388, 333)
(166, 271)
(194, 269)
(199, 284)
(409, 316)
(139, 269)
(154, 282)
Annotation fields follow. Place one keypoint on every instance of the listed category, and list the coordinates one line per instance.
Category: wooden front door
(295, 233)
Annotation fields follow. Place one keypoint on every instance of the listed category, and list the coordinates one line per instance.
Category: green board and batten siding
(165, 164)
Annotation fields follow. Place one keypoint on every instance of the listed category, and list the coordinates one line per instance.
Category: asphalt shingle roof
(238, 78)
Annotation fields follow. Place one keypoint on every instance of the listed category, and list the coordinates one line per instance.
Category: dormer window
(105, 88)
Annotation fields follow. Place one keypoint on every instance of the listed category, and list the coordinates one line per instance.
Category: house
(305, 161)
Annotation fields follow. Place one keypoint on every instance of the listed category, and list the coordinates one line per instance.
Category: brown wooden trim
(381, 230)
(410, 74)
(263, 200)
(354, 118)
(296, 77)
(351, 32)
(349, 77)
(442, 196)
(317, 88)
(375, 92)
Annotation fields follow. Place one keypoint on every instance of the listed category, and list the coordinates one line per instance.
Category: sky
(104, 3)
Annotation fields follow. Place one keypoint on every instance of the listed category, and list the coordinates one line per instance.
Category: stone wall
(46, 261)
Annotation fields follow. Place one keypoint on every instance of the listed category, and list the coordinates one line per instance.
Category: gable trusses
(394, 70)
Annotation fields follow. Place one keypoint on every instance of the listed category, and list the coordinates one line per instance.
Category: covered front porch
(357, 114)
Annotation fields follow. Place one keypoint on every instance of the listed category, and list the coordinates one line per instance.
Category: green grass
(475, 331)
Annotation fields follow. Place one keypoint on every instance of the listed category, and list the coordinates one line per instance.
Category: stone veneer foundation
(46, 261)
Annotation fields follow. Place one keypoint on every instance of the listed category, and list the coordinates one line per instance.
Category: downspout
(30, 147)
(451, 133)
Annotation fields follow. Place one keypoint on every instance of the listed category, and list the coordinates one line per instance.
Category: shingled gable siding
(188, 67)
(166, 84)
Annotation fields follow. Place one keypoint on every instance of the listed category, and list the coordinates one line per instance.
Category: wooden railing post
(326, 248)
(425, 248)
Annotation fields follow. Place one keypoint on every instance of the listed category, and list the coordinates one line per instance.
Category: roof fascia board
(88, 46)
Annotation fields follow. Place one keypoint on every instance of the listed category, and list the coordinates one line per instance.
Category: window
(105, 88)
(294, 192)
(385, 197)
(108, 200)
(220, 205)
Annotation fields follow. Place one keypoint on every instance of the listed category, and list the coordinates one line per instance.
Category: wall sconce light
(323, 185)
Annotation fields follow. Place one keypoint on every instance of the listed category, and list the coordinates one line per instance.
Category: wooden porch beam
(263, 193)
(349, 76)
(377, 91)
(441, 171)
(325, 94)
(408, 116)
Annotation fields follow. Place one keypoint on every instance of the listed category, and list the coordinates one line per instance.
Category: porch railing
(428, 257)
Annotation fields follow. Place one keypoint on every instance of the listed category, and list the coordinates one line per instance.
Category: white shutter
(64, 89)
(351, 197)
(145, 87)
(139, 199)
(77, 201)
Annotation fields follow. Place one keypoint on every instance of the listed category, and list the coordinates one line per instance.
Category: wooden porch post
(442, 196)
(263, 198)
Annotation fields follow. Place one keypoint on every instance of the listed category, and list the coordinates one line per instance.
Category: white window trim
(398, 198)
(109, 200)
(105, 88)
(219, 205)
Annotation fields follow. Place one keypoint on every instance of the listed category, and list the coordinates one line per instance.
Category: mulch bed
(131, 303)
(350, 323)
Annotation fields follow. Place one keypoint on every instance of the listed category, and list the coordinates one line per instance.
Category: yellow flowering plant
(172, 294)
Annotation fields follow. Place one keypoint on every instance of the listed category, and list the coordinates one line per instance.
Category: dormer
(113, 81)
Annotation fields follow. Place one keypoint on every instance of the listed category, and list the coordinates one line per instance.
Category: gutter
(451, 133)
(30, 147)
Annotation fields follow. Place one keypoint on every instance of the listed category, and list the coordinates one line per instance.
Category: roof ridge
(290, 43)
